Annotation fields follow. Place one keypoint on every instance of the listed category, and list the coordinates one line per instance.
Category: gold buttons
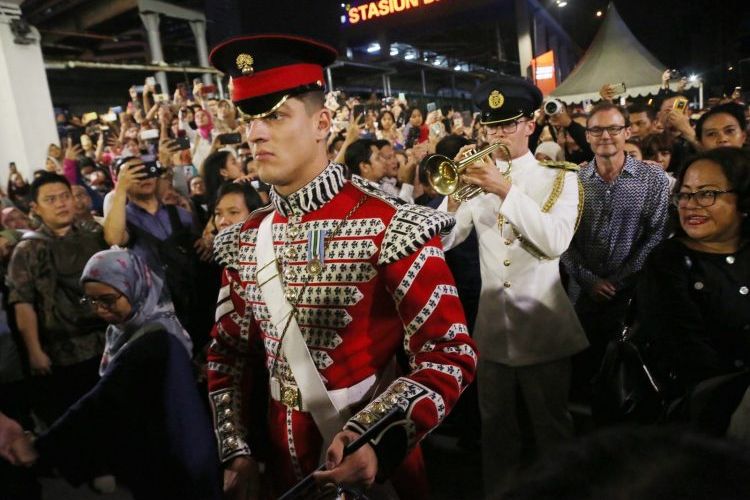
(290, 294)
(506, 262)
(293, 231)
(507, 242)
(506, 284)
(225, 399)
(291, 253)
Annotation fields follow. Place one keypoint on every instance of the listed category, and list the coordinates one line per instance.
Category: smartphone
(149, 134)
(618, 88)
(680, 104)
(116, 109)
(89, 117)
(139, 89)
(401, 96)
(435, 129)
(358, 110)
(152, 169)
(183, 142)
(431, 106)
(232, 138)
(108, 117)
(157, 88)
(161, 98)
(209, 89)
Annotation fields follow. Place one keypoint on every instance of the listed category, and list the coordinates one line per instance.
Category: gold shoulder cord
(557, 189)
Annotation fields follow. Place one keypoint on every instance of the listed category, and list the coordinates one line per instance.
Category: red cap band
(275, 80)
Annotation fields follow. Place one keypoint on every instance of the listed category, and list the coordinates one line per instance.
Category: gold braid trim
(581, 197)
(557, 189)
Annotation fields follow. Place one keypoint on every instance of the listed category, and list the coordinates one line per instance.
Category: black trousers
(602, 322)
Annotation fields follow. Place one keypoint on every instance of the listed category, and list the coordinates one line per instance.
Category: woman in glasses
(144, 420)
(694, 295)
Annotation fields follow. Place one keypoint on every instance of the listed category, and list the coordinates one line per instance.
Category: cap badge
(496, 99)
(245, 64)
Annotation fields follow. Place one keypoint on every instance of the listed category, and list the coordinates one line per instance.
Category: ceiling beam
(96, 13)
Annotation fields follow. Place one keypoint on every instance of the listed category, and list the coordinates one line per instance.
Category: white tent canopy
(614, 56)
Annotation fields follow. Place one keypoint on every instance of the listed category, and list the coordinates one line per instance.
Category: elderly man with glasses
(624, 218)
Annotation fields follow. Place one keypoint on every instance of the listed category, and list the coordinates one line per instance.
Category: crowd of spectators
(662, 235)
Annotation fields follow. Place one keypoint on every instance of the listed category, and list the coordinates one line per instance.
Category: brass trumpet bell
(444, 174)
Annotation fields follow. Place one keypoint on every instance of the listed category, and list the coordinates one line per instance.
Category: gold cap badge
(245, 64)
(496, 99)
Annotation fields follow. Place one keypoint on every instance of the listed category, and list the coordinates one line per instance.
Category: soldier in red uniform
(333, 279)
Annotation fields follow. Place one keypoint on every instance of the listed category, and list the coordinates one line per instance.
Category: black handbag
(627, 388)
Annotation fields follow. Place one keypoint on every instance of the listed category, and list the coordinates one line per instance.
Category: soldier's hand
(242, 479)
(357, 469)
(39, 362)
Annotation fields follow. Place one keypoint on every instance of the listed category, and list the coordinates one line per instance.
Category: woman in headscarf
(145, 420)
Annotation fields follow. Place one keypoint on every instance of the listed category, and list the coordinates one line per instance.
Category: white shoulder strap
(315, 397)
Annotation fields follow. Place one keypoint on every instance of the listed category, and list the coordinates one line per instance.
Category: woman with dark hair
(234, 203)
(19, 192)
(415, 131)
(388, 130)
(219, 168)
(658, 148)
(693, 300)
(723, 125)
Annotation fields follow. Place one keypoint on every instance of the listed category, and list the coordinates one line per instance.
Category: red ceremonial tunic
(384, 288)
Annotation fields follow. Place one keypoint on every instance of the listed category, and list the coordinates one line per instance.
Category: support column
(151, 22)
(500, 50)
(27, 121)
(424, 83)
(329, 79)
(525, 47)
(199, 32)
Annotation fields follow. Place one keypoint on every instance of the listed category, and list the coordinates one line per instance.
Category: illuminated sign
(543, 72)
(381, 8)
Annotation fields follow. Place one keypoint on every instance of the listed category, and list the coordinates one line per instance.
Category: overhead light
(394, 51)
(598, 13)
(436, 62)
(343, 19)
(693, 77)
(374, 47)
(410, 56)
(730, 68)
(562, 3)
(457, 67)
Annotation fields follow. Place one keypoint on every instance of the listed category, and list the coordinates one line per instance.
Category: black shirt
(695, 308)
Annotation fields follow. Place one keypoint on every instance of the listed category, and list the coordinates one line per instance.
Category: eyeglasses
(613, 130)
(704, 197)
(105, 301)
(507, 128)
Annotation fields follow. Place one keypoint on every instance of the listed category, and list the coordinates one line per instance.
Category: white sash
(315, 397)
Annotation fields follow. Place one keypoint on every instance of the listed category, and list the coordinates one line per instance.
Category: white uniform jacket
(524, 315)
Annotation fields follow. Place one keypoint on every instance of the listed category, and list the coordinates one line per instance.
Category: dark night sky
(696, 36)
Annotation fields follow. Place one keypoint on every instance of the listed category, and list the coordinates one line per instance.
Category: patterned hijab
(127, 273)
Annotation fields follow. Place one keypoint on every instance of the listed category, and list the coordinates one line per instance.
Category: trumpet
(444, 174)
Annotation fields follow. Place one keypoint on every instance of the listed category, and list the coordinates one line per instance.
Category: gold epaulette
(565, 165)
